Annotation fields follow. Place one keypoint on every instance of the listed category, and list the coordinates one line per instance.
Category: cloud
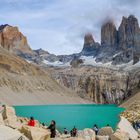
(59, 25)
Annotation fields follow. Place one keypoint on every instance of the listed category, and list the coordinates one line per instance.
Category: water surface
(81, 116)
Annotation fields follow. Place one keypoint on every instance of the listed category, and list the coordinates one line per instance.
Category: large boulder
(10, 118)
(35, 133)
(105, 131)
(74, 138)
(139, 132)
(1, 120)
(119, 135)
(87, 134)
(7, 133)
(98, 137)
(125, 126)
(9, 112)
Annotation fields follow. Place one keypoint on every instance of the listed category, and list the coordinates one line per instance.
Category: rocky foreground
(15, 128)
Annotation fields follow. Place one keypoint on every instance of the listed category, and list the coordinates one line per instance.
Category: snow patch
(56, 63)
(132, 67)
(89, 60)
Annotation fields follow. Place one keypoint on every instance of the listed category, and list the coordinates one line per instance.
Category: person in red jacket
(31, 122)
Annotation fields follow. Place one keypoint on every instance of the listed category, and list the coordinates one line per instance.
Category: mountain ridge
(118, 46)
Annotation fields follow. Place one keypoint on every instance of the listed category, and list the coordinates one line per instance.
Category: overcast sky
(58, 26)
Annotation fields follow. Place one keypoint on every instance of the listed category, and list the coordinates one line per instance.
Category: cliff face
(98, 84)
(13, 40)
(90, 47)
(128, 32)
(109, 35)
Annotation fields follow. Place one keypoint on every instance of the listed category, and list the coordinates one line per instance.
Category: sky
(59, 26)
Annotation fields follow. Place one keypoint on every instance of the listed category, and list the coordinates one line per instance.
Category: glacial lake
(67, 116)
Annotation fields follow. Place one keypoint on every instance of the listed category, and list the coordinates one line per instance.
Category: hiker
(31, 122)
(96, 129)
(73, 132)
(65, 131)
(136, 125)
(52, 129)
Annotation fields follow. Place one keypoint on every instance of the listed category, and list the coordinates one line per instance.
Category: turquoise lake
(81, 116)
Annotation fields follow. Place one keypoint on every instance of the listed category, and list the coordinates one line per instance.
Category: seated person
(31, 122)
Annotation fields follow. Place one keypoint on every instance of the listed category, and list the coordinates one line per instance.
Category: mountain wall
(101, 85)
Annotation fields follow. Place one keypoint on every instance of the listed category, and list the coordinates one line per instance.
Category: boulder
(74, 138)
(98, 137)
(125, 126)
(1, 120)
(35, 133)
(119, 135)
(105, 131)
(9, 112)
(10, 118)
(139, 132)
(87, 134)
(7, 133)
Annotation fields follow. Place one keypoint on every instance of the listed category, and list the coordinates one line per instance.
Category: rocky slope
(132, 105)
(24, 83)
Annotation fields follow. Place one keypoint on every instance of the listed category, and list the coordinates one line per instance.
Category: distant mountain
(118, 46)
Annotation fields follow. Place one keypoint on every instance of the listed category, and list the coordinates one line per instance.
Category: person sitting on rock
(31, 122)
(65, 131)
(52, 128)
(73, 132)
(96, 129)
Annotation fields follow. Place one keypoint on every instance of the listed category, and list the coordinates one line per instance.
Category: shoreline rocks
(17, 128)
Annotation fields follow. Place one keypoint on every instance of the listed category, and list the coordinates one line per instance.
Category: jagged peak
(109, 23)
(3, 26)
(41, 51)
(129, 19)
(88, 39)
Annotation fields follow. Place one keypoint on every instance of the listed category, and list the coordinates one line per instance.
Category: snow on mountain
(56, 63)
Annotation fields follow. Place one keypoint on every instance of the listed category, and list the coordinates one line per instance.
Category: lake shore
(15, 128)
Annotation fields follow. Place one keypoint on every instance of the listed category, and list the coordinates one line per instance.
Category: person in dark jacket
(65, 131)
(52, 128)
(73, 132)
(96, 129)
